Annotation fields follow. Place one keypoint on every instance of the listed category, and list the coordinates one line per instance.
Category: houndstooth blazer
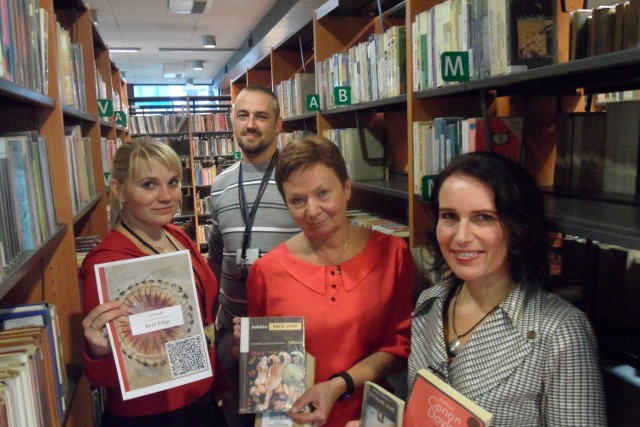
(533, 362)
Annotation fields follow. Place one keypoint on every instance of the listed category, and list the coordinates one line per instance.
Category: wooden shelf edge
(28, 260)
(87, 207)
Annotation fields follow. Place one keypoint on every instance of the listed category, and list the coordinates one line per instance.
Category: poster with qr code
(160, 343)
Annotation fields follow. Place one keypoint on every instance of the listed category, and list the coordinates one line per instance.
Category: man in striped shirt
(249, 219)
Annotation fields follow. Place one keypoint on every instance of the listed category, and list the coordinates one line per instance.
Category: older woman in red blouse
(352, 285)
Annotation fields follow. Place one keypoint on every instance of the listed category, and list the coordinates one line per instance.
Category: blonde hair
(132, 157)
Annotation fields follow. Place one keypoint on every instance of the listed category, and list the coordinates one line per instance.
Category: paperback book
(433, 402)
(380, 407)
(282, 419)
(272, 363)
(160, 343)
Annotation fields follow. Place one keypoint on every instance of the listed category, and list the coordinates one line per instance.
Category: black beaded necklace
(200, 283)
(148, 245)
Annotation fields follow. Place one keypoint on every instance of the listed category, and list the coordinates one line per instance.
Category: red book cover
(434, 403)
(505, 132)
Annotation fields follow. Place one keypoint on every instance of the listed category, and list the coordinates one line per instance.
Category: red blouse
(348, 316)
(102, 372)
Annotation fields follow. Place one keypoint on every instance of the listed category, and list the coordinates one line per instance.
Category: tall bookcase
(49, 273)
(539, 95)
(195, 110)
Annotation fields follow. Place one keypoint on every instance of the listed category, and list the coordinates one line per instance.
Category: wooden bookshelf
(191, 106)
(539, 95)
(49, 273)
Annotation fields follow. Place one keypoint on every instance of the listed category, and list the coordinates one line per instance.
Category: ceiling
(245, 30)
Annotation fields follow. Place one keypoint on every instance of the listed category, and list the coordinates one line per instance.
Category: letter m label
(455, 66)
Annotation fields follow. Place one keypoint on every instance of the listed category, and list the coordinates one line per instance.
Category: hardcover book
(380, 407)
(160, 343)
(433, 402)
(272, 363)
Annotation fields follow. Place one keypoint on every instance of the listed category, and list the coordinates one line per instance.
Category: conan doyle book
(433, 402)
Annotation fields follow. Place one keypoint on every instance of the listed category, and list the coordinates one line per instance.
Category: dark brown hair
(519, 203)
(302, 153)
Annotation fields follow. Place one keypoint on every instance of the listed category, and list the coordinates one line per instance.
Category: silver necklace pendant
(454, 347)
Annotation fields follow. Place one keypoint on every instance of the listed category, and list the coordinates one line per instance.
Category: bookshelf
(539, 95)
(49, 272)
(199, 130)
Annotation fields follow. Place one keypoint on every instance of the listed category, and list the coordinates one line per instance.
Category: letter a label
(313, 102)
(121, 118)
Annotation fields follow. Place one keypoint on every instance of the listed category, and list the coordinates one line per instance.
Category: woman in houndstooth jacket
(489, 328)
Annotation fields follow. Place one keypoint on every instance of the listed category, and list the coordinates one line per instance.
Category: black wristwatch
(347, 379)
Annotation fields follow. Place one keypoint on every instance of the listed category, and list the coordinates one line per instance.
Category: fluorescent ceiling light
(195, 49)
(198, 65)
(188, 6)
(124, 49)
(209, 41)
(172, 71)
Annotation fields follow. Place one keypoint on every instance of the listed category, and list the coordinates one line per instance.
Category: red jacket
(102, 372)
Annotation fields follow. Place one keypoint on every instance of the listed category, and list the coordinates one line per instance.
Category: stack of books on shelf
(83, 245)
(79, 167)
(286, 137)
(101, 85)
(72, 81)
(599, 151)
(609, 27)
(376, 222)
(211, 122)
(34, 383)
(374, 69)
(436, 142)
(205, 171)
(108, 148)
(158, 124)
(180, 144)
(363, 151)
(213, 146)
(501, 36)
(26, 197)
(292, 94)
(24, 55)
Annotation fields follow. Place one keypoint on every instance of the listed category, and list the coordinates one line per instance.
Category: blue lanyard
(248, 217)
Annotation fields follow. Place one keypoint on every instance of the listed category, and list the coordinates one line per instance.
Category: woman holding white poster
(145, 196)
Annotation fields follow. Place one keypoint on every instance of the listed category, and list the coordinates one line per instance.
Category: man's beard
(258, 148)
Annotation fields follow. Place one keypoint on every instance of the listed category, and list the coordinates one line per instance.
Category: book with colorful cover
(160, 343)
(272, 363)
(433, 402)
(282, 419)
(380, 407)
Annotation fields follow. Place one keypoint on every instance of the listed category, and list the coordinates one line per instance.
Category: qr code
(186, 356)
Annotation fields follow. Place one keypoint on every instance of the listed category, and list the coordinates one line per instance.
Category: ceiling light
(209, 41)
(124, 49)
(188, 6)
(188, 82)
(198, 65)
(172, 71)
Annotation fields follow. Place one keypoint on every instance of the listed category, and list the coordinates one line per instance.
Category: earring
(121, 205)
